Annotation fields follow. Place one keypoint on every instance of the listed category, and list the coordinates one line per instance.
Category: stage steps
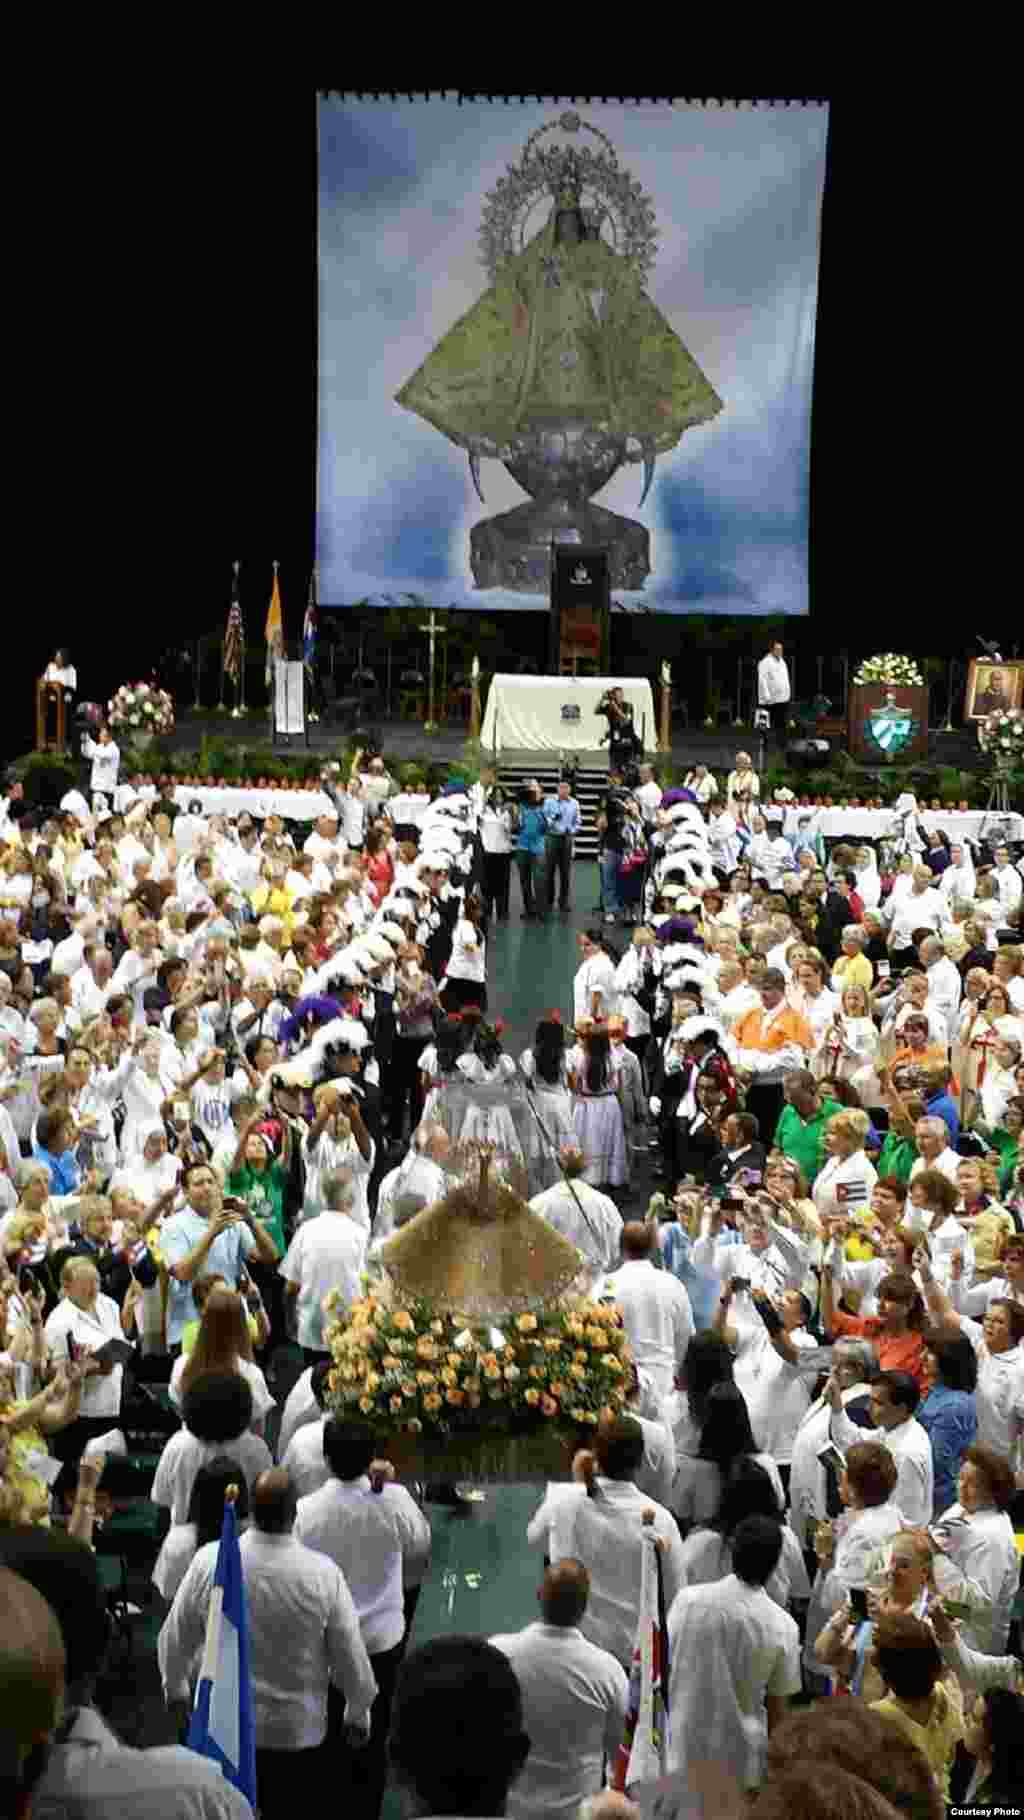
(591, 784)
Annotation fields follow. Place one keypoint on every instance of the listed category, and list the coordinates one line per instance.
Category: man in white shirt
(1007, 880)
(325, 1257)
(594, 993)
(583, 1215)
(735, 1662)
(894, 1399)
(599, 1520)
(655, 1307)
(324, 843)
(648, 792)
(773, 688)
(379, 1539)
(945, 987)
(91, 983)
(79, 1327)
(574, 1700)
(419, 1177)
(931, 1135)
(303, 1635)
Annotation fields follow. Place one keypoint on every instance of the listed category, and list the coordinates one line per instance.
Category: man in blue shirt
(529, 850)
(562, 822)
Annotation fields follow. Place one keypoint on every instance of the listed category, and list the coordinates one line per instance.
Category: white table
(559, 713)
(874, 823)
(291, 805)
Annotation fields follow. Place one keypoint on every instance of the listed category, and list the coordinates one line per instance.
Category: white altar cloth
(558, 713)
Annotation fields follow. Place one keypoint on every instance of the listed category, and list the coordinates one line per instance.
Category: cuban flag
(309, 627)
(222, 1718)
(643, 1753)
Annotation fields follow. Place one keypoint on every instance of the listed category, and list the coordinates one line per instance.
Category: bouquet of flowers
(1002, 734)
(782, 795)
(410, 1368)
(139, 708)
(892, 669)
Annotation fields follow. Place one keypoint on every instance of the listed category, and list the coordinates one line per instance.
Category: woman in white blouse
(844, 1185)
(816, 1004)
(465, 978)
(59, 670)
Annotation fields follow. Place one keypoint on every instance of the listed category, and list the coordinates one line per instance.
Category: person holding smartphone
(210, 1234)
(79, 1331)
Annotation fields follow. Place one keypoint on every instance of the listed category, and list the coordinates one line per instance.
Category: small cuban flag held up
(222, 1718)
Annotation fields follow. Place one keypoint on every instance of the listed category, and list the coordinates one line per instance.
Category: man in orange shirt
(767, 1044)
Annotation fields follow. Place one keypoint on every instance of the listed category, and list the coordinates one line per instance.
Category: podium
(580, 602)
(50, 704)
(288, 703)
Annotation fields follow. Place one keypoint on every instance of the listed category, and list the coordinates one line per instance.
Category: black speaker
(580, 600)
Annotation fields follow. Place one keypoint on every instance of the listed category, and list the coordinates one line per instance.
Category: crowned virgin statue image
(564, 369)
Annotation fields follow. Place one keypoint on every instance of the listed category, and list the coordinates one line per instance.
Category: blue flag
(222, 1720)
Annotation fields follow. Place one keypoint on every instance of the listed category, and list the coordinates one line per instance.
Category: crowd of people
(238, 1058)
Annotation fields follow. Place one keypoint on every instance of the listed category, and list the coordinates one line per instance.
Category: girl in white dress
(544, 1067)
(485, 1065)
(597, 1114)
(816, 1003)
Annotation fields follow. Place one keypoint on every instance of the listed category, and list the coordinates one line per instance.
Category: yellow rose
(426, 1377)
(580, 1357)
(493, 1373)
(373, 1380)
(403, 1321)
(366, 1405)
(574, 1326)
(597, 1337)
(432, 1400)
(532, 1397)
(454, 1359)
(577, 1371)
(558, 1389)
(391, 1363)
(512, 1371)
(437, 1326)
(488, 1359)
(448, 1376)
(455, 1397)
(611, 1363)
(552, 1345)
(526, 1323)
(536, 1371)
(425, 1348)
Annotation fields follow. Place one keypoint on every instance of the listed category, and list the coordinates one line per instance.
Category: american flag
(233, 634)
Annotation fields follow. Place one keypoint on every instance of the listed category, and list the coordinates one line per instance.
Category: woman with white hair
(852, 967)
(843, 1186)
(151, 1171)
(147, 1085)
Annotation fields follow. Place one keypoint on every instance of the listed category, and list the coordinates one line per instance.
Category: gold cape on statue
(567, 331)
(481, 1252)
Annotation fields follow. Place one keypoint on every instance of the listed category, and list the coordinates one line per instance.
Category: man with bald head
(32, 1679)
(656, 1310)
(303, 1633)
(574, 1699)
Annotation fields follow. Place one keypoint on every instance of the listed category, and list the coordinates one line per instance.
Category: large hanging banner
(589, 324)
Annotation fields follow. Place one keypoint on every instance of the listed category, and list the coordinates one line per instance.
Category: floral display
(1002, 735)
(892, 669)
(410, 1368)
(138, 708)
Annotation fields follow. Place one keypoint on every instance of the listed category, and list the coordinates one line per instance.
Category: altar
(559, 713)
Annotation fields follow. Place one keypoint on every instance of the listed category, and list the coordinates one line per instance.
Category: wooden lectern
(48, 693)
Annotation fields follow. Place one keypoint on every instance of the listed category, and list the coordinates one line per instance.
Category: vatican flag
(274, 628)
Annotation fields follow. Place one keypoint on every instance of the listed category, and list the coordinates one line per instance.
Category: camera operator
(624, 745)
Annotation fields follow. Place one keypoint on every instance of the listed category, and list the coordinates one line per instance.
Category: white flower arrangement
(892, 669)
(138, 705)
(1002, 734)
(782, 795)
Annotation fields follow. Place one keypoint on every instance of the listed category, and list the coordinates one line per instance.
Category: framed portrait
(991, 686)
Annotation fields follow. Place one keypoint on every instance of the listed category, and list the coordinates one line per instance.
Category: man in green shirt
(800, 1132)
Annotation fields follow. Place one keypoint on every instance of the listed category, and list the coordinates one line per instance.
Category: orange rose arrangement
(408, 1368)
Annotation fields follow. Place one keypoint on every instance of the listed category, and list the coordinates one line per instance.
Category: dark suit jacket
(723, 1168)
